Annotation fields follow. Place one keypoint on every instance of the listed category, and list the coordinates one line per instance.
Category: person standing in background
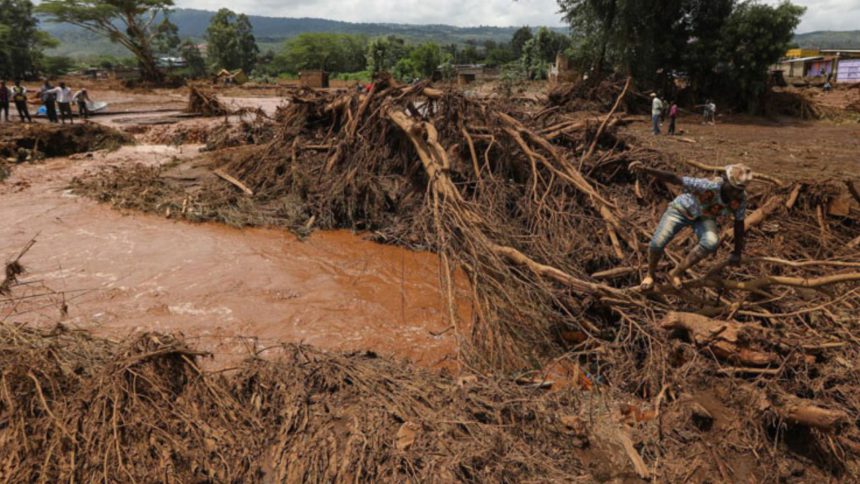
(673, 114)
(64, 101)
(4, 100)
(81, 98)
(19, 97)
(656, 112)
(48, 95)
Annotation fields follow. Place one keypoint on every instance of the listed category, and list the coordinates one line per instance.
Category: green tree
(532, 63)
(705, 22)
(383, 53)
(521, 36)
(231, 41)
(634, 36)
(191, 53)
(55, 66)
(405, 70)
(447, 67)
(496, 54)
(725, 47)
(167, 38)
(130, 23)
(330, 52)
(21, 41)
(469, 54)
(426, 58)
(754, 38)
(550, 43)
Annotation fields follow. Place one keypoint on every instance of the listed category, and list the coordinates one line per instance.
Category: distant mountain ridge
(274, 30)
(271, 31)
(827, 39)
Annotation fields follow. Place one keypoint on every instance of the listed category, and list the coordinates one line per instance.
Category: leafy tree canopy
(330, 52)
(130, 23)
(231, 41)
(22, 43)
(723, 46)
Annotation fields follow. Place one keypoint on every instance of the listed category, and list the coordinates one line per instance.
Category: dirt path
(126, 272)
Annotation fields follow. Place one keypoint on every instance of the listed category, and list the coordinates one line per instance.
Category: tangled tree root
(539, 209)
(80, 408)
(30, 142)
(204, 103)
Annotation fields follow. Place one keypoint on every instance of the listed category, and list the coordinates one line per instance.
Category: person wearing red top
(673, 114)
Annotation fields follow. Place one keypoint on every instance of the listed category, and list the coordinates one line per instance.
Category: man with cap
(656, 113)
(702, 202)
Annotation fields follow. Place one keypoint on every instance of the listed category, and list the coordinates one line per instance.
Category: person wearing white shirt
(656, 113)
(64, 102)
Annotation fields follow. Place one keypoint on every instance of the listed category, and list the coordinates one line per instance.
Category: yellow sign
(798, 53)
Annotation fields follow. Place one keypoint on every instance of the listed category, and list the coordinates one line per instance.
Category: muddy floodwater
(123, 272)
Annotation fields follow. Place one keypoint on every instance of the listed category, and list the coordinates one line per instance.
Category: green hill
(849, 39)
(271, 31)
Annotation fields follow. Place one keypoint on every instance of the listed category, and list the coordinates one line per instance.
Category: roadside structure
(804, 65)
(314, 78)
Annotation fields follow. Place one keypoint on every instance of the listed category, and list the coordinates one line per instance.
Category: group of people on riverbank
(659, 109)
(57, 101)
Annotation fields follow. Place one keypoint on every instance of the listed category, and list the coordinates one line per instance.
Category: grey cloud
(451, 12)
(828, 15)
(820, 14)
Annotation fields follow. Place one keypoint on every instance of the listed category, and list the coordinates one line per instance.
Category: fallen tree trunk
(805, 412)
(719, 337)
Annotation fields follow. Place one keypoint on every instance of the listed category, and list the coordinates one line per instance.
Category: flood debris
(78, 407)
(31, 142)
(536, 204)
(204, 102)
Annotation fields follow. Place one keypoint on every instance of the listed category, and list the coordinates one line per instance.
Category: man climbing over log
(701, 203)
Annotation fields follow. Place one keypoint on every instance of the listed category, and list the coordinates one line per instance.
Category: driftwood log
(800, 411)
(722, 338)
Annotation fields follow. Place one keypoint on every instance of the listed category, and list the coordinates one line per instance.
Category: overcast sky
(820, 15)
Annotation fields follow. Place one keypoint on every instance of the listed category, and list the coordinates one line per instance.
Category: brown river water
(227, 289)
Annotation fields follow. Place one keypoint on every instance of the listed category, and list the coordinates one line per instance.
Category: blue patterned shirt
(702, 198)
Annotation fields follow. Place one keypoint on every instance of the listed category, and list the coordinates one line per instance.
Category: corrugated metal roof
(803, 59)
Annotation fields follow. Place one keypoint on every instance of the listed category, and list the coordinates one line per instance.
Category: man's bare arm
(662, 175)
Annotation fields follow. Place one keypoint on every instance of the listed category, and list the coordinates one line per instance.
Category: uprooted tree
(134, 24)
(535, 205)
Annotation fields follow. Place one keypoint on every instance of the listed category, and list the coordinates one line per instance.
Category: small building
(314, 79)
(840, 65)
(464, 78)
(168, 62)
(848, 71)
(800, 67)
(847, 64)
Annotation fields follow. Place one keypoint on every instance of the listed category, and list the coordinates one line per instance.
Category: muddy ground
(786, 148)
(236, 291)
